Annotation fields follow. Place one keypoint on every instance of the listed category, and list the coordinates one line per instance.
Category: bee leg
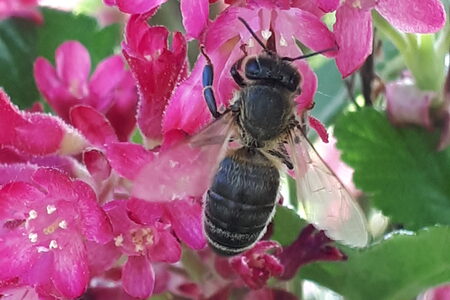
(237, 66)
(283, 156)
(207, 81)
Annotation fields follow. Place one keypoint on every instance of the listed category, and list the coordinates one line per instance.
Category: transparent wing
(186, 169)
(326, 202)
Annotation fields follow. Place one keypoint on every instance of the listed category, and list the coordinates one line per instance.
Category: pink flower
(46, 221)
(110, 90)
(353, 27)
(194, 13)
(310, 246)
(187, 112)
(406, 104)
(143, 245)
(437, 293)
(156, 68)
(270, 294)
(20, 8)
(256, 266)
(36, 133)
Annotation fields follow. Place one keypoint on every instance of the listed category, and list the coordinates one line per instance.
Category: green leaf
(61, 26)
(331, 96)
(287, 225)
(396, 269)
(17, 53)
(399, 167)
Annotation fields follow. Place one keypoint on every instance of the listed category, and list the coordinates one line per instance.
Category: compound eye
(252, 68)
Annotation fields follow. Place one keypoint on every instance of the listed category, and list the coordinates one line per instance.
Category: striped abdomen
(241, 201)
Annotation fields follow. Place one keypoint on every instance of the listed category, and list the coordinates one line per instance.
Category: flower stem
(397, 38)
(421, 56)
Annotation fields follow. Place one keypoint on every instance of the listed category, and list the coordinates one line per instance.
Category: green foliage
(398, 167)
(61, 26)
(17, 53)
(396, 269)
(287, 225)
(22, 41)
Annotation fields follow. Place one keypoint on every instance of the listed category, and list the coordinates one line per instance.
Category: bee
(239, 156)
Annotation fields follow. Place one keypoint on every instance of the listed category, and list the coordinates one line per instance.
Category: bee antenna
(309, 55)
(253, 33)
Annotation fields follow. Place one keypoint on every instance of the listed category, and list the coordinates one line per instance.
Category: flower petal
(97, 164)
(73, 65)
(195, 16)
(36, 133)
(328, 5)
(52, 88)
(138, 278)
(186, 219)
(95, 223)
(406, 104)
(138, 6)
(144, 212)
(71, 274)
(416, 16)
(93, 125)
(107, 76)
(167, 249)
(17, 255)
(353, 30)
(307, 28)
(127, 159)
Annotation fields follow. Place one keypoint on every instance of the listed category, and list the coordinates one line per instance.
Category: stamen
(118, 240)
(51, 209)
(41, 249)
(266, 34)
(33, 237)
(63, 224)
(32, 214)
(53, 244)
(283, 42)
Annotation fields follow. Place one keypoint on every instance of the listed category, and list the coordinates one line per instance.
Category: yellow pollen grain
(50, 229)
(118, 240)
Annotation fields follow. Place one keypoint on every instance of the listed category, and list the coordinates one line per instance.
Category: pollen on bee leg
(51, 209)
(33, 237)
(118, 240)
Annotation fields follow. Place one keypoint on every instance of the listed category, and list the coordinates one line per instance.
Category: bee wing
(326, 203)
(186, 169)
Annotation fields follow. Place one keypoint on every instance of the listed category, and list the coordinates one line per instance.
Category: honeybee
(238, 158)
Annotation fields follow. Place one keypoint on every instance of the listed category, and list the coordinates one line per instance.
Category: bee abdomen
(240, 202)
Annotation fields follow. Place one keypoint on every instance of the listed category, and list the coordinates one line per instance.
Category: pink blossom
(36, 133)
(142, 244)
(184, 215)
(20, 8)
(406, 104)
(156, 68)
(110, 90)
(270, 294)
(353, 27)
(437, 293)
(46, 222)
(311, 245)
(256, 265)
(194, 13)
(223, 40)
